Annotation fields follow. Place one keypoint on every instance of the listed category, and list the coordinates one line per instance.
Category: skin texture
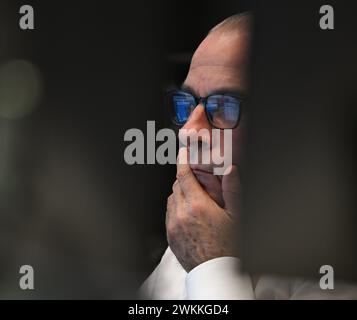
(201, 211)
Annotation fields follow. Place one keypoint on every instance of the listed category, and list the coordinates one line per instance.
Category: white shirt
(220, 279)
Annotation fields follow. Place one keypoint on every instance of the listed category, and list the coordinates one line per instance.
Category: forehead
(220, 62)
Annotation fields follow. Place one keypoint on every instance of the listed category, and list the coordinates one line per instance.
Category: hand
(198, 229)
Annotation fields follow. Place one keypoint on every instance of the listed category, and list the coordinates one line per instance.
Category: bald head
(237, 23)
(221, 60)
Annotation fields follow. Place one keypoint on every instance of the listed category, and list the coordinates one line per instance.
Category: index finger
(189, 185)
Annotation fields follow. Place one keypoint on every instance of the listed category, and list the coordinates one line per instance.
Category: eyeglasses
(222, 110)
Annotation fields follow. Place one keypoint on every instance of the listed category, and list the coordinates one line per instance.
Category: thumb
(231, 189)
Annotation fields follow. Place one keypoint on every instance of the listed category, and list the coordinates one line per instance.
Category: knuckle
(195, 207)
(175, 186)
(182, 220)
(182, 174)
(170, 201)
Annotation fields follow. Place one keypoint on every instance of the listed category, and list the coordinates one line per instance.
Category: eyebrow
(185, 87)
(224, 90)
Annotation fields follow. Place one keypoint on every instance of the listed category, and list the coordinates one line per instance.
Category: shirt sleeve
(167, 281)
(219, 279)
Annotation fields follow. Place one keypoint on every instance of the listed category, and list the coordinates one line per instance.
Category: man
(201, 261)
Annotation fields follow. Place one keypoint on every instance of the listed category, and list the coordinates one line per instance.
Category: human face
(219, 64)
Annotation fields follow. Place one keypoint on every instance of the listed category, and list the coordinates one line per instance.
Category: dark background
(90, 225)
(300, 180)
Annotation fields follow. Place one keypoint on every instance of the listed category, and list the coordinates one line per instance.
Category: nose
(196, 121)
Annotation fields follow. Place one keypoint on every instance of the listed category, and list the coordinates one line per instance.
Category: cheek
(237, 147)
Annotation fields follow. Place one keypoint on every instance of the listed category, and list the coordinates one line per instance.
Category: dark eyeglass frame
(203, 100)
